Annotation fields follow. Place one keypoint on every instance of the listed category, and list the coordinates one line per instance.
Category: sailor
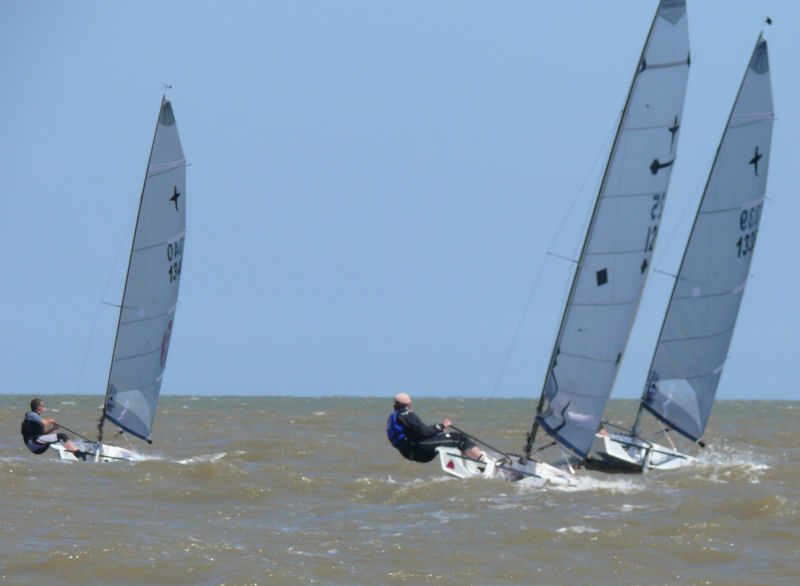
(417, 441)
(38, 433)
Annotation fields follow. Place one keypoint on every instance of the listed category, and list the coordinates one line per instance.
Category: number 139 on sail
(175, 258)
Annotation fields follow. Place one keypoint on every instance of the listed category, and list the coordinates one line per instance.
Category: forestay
(151, 286)
(699, 323)
(616, 255)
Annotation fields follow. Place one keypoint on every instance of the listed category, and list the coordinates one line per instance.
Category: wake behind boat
(149, 300)
(698, 326)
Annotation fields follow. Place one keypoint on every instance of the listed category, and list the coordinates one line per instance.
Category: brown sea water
(278, 490)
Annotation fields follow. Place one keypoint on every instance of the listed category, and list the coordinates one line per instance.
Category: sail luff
(611, 271)
(688, 360)
(101, 424)
(152, 281)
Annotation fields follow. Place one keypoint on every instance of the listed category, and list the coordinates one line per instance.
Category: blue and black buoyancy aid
(30, 430)
(395, 431)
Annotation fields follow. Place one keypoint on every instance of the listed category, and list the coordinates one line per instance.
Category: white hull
(501, 467)
(98, 453)
(623, 451)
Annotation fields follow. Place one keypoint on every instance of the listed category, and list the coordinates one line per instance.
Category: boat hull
(96, 452)
(624, 452)
(503, 467)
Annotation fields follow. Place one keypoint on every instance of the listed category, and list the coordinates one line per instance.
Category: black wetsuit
(418, 441)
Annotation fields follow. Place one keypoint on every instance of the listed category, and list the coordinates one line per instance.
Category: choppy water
(265, 490)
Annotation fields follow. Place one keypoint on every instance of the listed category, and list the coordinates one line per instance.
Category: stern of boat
(456, 464)
(97, 453)
(503, 467)
(616, 452)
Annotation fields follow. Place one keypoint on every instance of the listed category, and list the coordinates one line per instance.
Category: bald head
(402, 399)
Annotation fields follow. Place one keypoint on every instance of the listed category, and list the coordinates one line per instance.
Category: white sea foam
(578, 529)
(613, 484)
(447, 516)
(724, 463)
(203, 458)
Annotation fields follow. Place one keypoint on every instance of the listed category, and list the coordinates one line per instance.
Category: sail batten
(595, 304)
(589, 358)
(702, 337)
(133, 356)
(151, 287)
(150, 318)
(631, 195)
(605, 293)
(699, 323)
(163, 167)
(682, 63)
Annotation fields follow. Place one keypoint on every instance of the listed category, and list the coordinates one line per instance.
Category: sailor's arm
(50, 425)
(416, 427)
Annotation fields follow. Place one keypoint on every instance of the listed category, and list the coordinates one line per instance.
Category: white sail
(616, 255)
(698, 326)
(151, 287)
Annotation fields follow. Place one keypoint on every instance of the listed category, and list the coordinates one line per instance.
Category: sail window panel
(138, 380)
(677, 401)
(659, 98)
(574, 411)
(135, 409)
(684, 403)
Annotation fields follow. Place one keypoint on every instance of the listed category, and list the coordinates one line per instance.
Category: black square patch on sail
(602, 277)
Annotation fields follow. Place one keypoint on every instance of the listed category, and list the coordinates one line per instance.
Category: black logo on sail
(175, 195)
(655, 166)
(754, 161)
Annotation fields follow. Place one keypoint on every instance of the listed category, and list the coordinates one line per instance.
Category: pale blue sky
(373, 187)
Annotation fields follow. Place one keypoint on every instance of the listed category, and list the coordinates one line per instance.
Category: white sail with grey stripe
(151, 286)
(699, 323)
(614, 262)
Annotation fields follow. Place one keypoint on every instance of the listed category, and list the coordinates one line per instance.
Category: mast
(101, 423)
(606, 290)
(698, 325)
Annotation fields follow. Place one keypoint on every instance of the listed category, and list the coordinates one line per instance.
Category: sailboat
(698, 326)
(614, 260)
(149, 299)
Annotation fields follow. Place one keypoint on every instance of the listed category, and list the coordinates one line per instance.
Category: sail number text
(748, 223)
(175, 259)
(655, 216)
